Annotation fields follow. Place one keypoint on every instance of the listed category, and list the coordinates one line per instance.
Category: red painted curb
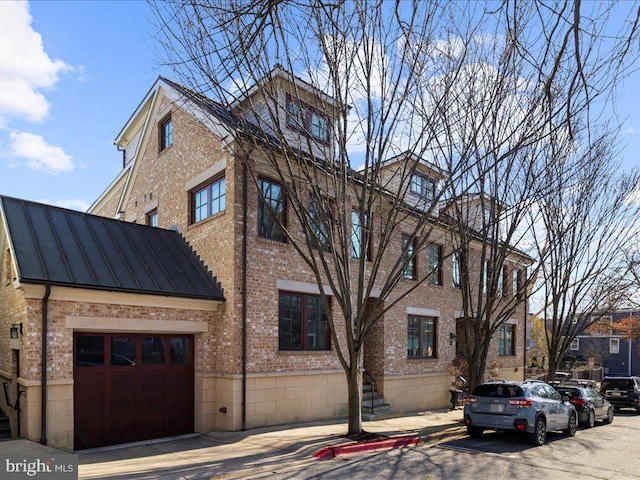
(350, 448)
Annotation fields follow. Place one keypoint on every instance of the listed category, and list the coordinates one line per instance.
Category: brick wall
(163, 180)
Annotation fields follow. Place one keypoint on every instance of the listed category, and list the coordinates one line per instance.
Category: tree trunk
(554, 363)
(354, 387)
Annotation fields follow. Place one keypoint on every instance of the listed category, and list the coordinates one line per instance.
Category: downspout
(245, 196)
(43, 374)
(526, 309)
(630, 358)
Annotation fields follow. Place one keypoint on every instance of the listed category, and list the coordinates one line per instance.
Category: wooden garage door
(130, 387)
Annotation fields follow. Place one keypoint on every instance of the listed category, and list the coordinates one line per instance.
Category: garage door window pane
(180, 351)
(89, 351)
(123, 351)
(153, 350)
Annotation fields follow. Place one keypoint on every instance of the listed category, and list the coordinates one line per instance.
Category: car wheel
(591, 421)
(474, 432)
(609, 417)
(539, 434)
(570, 431)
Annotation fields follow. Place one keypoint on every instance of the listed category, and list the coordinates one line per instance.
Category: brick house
(182, 171)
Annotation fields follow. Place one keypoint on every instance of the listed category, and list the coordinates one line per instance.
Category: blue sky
(71, 74)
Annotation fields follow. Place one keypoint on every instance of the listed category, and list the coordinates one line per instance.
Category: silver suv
(532, 407)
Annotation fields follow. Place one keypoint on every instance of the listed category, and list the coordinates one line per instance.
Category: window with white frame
(614, 345)
(575, 344)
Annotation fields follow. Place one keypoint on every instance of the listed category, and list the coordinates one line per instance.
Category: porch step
(389, 413)
(373, 405)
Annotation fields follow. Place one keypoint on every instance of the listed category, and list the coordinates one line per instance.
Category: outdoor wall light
(452, 338)
(14, 330)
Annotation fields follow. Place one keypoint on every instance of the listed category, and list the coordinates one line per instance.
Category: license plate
(496, 408)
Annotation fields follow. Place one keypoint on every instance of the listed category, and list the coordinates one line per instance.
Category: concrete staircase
(373, 405)
(5, 426)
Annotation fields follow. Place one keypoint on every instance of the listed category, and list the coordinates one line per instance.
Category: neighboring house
(182, 171)
(603, 346)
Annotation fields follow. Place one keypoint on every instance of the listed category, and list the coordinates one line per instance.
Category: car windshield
(498, 390)
(619, 383)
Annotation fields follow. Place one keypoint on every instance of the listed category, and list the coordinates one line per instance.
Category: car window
(539, 391)
(498, 390)
(619, 383)
(552, 393)
(569, 392)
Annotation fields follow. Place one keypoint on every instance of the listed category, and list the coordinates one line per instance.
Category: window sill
(305, 352)
(164, 150)
(414, 359)
(206, 220)
(270, 241)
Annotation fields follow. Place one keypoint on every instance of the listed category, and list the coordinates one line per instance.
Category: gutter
(43, 374)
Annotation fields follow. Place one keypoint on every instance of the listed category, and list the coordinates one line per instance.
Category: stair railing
(372, 382)
(5, 385)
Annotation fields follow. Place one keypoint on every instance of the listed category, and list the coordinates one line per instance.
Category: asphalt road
(604, 452)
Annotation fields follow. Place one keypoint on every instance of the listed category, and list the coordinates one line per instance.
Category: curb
(351, 448)
(434, 436)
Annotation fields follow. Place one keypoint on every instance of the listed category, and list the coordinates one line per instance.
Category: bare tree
(586, 219)
(389, 73)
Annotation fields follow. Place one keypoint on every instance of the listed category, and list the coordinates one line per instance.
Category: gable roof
(56, 246)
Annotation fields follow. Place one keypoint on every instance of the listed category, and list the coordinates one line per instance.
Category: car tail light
(470, 400)
(521, 402)
(578, 401)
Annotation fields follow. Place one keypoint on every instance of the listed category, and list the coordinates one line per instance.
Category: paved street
(604, 452)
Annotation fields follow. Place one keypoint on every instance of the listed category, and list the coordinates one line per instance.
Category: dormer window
(423, 186)
(307, 120)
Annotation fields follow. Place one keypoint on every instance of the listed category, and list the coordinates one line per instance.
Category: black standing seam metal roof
(63, 247)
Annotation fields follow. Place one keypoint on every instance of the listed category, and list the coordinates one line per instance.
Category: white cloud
(25, 67)
(631, 131)
(40, 156)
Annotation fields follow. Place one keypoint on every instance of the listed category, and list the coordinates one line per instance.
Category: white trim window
(575, 344)
(614, 345)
